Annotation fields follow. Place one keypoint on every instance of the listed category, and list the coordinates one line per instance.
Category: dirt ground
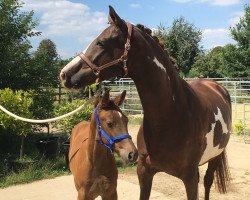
(238, 154)
(164, 186)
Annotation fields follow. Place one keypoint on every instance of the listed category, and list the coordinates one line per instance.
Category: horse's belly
(213, 149)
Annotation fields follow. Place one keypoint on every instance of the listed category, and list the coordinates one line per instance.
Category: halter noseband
(123, 59)
(101, 132)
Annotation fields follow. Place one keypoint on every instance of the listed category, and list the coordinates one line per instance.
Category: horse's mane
(160, 42)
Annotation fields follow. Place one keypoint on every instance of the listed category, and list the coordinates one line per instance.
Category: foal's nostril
(132, 156)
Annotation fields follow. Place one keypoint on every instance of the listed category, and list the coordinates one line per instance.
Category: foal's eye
(110, 124)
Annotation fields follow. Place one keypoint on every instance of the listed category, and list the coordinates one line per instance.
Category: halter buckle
(96, 72)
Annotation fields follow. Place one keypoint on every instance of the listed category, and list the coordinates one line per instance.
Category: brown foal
(93, 165)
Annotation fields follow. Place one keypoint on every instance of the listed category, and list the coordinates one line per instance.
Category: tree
(16, 27)
(241, 32)
(44, 77)
(208, 64)
(182, 40)
(45, 70)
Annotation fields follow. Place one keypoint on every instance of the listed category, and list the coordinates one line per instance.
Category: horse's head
(104, 58)
(112, 127)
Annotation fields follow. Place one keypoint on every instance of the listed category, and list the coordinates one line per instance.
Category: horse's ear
(119, 99)
(105, 99)
(115, 19)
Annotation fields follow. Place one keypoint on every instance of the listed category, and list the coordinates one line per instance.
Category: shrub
(18, 102)
(69, 122)
(239, 128)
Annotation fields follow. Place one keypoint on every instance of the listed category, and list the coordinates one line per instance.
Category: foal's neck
(97, 153)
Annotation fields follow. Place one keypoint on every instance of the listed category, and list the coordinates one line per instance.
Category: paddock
(164, 186)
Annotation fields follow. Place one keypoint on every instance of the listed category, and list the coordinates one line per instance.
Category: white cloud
(212, 2)
(215, 37)
(236, 18)
(135, 5)
(67, 20)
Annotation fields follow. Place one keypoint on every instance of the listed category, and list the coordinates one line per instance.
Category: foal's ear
(105, 99)
(115, 19)
(119, 99)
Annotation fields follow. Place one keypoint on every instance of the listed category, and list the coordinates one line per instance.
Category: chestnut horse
(92, 164)
(185, 124)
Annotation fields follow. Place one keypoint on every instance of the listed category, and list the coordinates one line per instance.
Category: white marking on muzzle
(71, 63)
(77, 58)
(211, 151)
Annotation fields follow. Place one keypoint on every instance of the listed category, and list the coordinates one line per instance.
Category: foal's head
(112, 127)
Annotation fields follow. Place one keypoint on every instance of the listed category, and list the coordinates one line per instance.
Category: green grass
(135, 119)
(42, 170)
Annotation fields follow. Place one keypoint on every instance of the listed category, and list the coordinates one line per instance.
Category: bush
(69, 122)
(18, 102)
(239, 128)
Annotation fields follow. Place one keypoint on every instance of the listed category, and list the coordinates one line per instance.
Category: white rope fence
(37, 121)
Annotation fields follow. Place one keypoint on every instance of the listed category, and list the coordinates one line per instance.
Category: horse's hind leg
(209, 176)
(220, 166)
(145, 175)
(191, 181)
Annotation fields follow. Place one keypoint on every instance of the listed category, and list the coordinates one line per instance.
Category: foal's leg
(145, 175)
(209, 177)
(191, 184)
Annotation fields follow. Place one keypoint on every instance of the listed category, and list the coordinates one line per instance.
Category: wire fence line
(239, 89)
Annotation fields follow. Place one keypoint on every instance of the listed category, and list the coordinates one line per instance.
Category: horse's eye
(110, 124)
(100, 44)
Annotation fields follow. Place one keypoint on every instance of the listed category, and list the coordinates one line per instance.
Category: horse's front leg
(82, 194)
(113, 196)
(145, 175)
(191, 181)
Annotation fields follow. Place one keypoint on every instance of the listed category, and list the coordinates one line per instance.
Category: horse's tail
(222, 173)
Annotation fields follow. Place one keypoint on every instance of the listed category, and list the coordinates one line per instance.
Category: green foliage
(227, 61)
(135, 119)
(16, 27)
(239, 128)
(241, 32)
(45, 71)
(68, 123)
(43, 103)
(37, 171)
(18, 102)
(182, 40)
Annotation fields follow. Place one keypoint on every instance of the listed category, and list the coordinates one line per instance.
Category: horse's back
(79, 135)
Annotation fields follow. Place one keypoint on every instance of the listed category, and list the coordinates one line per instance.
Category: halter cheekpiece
(101, 132)
(123, 59)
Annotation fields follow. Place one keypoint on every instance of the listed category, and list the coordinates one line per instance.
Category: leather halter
(123, 59)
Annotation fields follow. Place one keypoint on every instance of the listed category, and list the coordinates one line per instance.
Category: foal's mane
(160, 42)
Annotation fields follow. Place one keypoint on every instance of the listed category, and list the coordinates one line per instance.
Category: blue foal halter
(101, 132)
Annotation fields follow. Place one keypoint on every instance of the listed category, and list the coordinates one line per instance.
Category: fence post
(60, 93)
(235, 101)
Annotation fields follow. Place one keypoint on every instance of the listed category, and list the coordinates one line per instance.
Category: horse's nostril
(132, 156)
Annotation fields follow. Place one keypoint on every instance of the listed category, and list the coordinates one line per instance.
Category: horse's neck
(159, 87)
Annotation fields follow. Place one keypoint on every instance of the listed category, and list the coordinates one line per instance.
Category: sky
(73, 24)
